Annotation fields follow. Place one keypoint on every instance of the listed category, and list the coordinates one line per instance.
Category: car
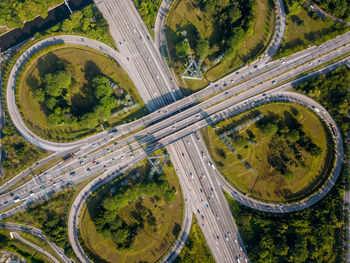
(72, 173)
(104, 166)
(274, 81)
(207, 205)
(182, 154)
(201, 190)
(88, 169)
(255, 66)
(6, 202)
(198, 211)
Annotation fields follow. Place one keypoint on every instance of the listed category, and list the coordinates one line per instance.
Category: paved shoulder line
(18, 236)
(303, 100)
(322, 13)
(11, 87)
(38, 233)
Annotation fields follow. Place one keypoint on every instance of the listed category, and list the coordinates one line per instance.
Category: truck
(68, 157)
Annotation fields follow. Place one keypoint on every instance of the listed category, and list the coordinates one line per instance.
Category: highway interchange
(230, 95)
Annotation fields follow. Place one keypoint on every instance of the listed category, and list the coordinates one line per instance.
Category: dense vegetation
(288, 133)
(337, 8)
(9, 245)
(88, 22)
(305, 27)
(51, 217)
(196, 249)
(15, 12)
(54, 92)
(312, 235)
(111, 225)
(332, 91)
(315, 234)
(233, 21)
(276, 152)
(18, 153)
(148, 11)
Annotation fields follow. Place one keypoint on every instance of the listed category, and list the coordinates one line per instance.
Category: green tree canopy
(56, 82)
(202, 48)
(182, 49)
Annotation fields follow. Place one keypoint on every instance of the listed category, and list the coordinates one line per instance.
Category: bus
(68, 157)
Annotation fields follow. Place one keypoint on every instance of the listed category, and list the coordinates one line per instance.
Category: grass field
(303, 30)
(196, 249)
(265, 182)
(185, 15)
(24, 250)
(148, 246)
(86, 63)
(54, 211)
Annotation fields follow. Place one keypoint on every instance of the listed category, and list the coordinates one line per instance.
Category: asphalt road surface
(153, 79)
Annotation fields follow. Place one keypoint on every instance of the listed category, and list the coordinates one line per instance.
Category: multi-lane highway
(201, 183)
(235, 98)
(38, 233)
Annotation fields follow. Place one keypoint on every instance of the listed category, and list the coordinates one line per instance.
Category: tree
(182, 49)
(108, 102)
(101, 113)
(39, 95)
(234, 14)
(241, 141)
(202, 48)
(314, 150)
(120, 236)
(89, 120)
(51, 103)
(269, 129)
(55, 83)
(101, 87)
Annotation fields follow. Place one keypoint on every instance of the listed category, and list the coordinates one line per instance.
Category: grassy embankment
(24, 250)
(196, 249)
(306, 28)
(148, 246)
(85, 64)
(185, 15)
(264, 181)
